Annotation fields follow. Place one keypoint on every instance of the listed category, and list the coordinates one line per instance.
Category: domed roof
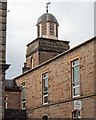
(47, 17)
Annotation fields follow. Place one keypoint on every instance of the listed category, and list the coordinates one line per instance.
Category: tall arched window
(45, 117)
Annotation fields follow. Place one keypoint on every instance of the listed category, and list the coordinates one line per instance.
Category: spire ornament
(47, 5)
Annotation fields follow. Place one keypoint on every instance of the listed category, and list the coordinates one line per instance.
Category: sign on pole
(77, 104)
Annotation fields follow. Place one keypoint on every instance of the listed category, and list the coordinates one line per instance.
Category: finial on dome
(47, 6)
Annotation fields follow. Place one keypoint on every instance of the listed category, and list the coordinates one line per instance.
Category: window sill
(44, 104)
(23, 108)
(76, 96)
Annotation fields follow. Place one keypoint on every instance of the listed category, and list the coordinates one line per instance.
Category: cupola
(47, 26)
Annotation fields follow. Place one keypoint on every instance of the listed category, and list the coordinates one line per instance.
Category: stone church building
(56, 81)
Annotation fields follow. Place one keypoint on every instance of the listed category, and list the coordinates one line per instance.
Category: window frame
(44, 117)
(23, 101)
(6, 102)
(76, 112)
(44, 92)
(77, 82)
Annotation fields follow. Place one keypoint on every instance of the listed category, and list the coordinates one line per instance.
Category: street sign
(77, 104)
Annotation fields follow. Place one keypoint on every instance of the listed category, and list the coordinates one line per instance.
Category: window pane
(75, 78)
(45, 76)
(45, 99)
(46, 85)
(23, 105)
(45, 117)
(23, 94)
(45, 88)
(76, 91)
(75, 62)
(76, 74)
(45, 93)
(23, 84)
(45, 82)
(76, 115)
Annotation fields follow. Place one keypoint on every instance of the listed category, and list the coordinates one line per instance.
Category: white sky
(75, 18)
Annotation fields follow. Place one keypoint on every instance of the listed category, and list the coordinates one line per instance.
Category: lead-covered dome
(47, 17)
(47, 26)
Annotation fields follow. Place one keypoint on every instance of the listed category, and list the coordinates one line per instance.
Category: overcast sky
(75, 18)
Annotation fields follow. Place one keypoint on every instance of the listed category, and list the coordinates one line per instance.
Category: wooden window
(23, 95)
(75, 78)
(45, 88)
(45, 117)
(76, 115)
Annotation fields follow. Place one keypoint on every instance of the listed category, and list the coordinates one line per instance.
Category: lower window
(76, 115)
(76, 90)
(23, 104)
(45, 117)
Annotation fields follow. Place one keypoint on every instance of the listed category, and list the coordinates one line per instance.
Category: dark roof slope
(10, 85)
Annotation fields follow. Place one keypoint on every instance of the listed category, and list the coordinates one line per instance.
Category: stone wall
(95, 18)
(43, 49)
(3, 8)
(59, 84)
(13, 99)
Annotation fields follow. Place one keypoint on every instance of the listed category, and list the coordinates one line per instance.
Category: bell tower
(46, 45)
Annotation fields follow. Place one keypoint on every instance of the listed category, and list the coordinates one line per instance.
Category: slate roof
(10, 85)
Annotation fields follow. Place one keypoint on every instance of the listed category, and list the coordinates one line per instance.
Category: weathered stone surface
(60, 84)
(3, 66)
(43, 49)
(13, 99)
